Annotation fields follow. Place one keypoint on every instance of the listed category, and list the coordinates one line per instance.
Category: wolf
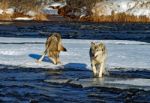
(98, 58)
(53, 47)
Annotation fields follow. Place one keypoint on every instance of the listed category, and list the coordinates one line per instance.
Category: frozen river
(121, 54)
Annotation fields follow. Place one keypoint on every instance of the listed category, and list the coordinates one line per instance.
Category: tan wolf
(53, 46)
(98, 58)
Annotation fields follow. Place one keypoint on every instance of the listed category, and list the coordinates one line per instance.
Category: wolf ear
(92, 43)
(100, 44)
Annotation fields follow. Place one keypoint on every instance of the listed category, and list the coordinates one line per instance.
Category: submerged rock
(58, 81)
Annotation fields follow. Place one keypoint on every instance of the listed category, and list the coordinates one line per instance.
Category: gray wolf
(53, 47)
(98, 58)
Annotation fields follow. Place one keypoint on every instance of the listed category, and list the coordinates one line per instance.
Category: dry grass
(38, 17)
(41, 17)
(23, 6)
(4, 4)
(74, 5)
(5, 16)
(120, 17)
(18, 14)
(9, 17)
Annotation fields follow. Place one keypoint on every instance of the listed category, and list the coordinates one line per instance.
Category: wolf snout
(94, 56)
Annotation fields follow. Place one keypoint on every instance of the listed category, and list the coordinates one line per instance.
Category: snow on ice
(121, 54)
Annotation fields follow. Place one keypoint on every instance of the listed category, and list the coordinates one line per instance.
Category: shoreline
(61, 19)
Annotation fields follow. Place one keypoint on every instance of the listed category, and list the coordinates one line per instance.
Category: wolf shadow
(37, 56)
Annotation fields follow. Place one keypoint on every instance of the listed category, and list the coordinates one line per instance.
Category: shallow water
(22, 85)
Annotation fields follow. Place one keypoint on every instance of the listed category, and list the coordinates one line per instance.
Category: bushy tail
(62, 48)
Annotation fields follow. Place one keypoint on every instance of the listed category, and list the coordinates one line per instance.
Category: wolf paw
(57, 63)
(37, 61)
(100, 76)
(95, 75)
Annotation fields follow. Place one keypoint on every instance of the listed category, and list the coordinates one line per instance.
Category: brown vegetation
(5, 16)
(4, 4)
(75, 5)
(21, 9)
(41, 17)
(9, 17)
(119, 17)
(18, 14)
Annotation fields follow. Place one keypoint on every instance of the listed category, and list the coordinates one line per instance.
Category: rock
(57, 81)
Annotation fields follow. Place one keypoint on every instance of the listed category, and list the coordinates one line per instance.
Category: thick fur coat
(98, 55)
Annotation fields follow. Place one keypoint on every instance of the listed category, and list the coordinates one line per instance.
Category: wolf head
(97, 49)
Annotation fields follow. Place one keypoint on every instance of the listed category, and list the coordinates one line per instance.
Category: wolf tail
(63, 48)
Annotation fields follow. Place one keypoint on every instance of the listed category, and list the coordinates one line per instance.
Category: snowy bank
(132, 7)
(49, 10)
(23, 18)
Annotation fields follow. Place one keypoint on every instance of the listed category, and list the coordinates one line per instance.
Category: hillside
(29, 10)
(110, 10)
(85, 10)
(127, 10)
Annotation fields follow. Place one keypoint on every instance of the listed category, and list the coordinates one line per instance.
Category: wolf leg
(39, 60)
(58, 60)
(53, 60)
(101, 68)
(93, 68)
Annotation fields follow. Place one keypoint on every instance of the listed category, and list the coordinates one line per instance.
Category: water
(22, 85)
(85, 30)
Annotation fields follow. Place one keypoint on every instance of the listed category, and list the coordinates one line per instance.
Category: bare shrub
(77, 4)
